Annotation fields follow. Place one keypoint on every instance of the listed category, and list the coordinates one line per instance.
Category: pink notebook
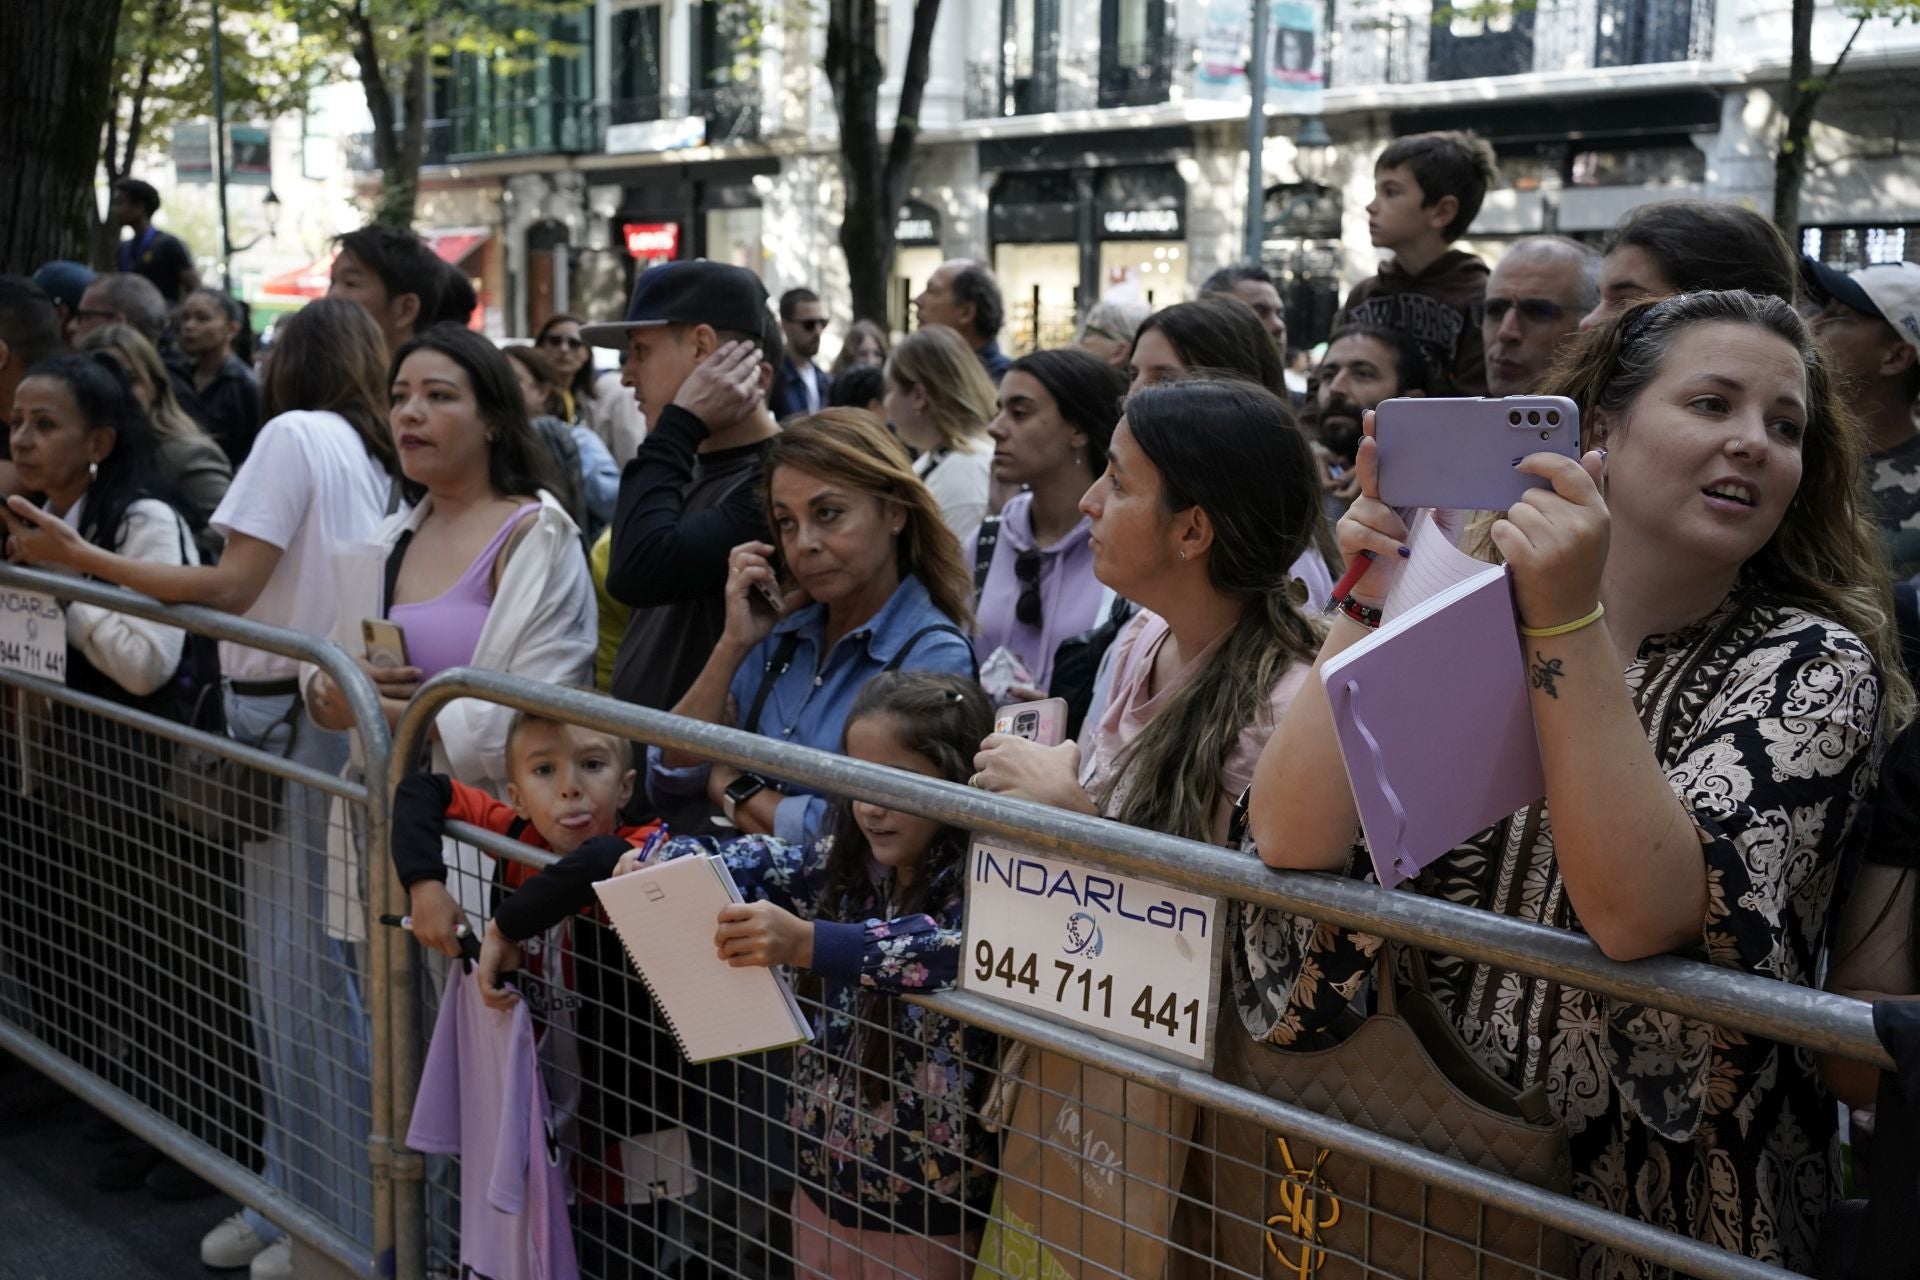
(1435, 724)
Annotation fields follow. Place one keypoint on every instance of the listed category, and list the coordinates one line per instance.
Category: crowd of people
(868, 558)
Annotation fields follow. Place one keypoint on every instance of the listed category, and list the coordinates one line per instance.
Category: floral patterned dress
(1764, 719)
(905, 1152)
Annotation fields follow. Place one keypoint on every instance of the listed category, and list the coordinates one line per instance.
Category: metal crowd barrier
(744, 1191)
(124, 936)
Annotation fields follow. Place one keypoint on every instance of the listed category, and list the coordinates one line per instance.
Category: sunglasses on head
(1026, 567)
(562, 340)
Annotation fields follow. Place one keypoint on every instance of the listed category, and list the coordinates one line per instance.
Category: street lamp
(1311, 144)
(270, 208)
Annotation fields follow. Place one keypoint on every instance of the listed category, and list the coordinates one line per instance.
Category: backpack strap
(907, 649)
(777, 665)
(984, 543)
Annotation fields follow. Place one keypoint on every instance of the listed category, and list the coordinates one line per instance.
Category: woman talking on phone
(1711, 656)
(484, 570)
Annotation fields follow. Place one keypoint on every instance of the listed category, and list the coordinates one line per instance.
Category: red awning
(454, 244)
(307, 283)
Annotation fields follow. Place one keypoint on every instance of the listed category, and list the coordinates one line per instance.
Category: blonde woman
(939, 400)
(191, 461)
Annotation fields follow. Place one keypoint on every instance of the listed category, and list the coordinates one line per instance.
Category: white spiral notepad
(666, 915)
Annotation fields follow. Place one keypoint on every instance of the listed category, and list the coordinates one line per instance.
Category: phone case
(1458, 454)
(1044, 722)
(386, 643)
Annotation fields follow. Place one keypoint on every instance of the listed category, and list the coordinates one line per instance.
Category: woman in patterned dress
(1715, 551)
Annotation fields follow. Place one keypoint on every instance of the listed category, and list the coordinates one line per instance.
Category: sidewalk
(57, 1227)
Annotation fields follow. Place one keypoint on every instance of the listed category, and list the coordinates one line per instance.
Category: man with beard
(1364, 365)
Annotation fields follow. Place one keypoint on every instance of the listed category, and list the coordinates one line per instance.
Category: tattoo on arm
(1545, 671)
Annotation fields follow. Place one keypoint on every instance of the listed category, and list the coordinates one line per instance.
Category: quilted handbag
(1262, 1202)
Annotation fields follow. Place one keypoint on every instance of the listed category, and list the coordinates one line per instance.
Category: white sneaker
(274, 1263)
(232, 1244)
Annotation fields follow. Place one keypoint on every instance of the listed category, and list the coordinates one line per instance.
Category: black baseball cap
(693, 292)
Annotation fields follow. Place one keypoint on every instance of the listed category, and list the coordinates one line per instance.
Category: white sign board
(655, 135)
(1136, 961)
(33, 634)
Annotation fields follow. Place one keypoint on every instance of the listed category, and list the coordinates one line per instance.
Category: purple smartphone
(1458, 454)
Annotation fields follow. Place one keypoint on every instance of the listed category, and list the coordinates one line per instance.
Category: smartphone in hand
(1459, 454)
(1044, 722)
(768, 596)
(386, 643)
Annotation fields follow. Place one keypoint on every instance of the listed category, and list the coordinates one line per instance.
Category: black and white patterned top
(1765, 720)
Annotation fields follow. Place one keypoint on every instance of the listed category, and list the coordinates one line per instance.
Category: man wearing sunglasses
(1535, 298)
(801, 385)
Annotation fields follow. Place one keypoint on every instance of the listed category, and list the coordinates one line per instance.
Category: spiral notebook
(666, 915)
(1435, 723)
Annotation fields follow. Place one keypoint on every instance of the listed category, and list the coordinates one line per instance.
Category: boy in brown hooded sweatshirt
(1427, 189)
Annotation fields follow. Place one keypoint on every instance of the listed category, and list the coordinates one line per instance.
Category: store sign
(652, 239)
(918, 226)
(1142, 223)
(193, 152)
(249, 155)
(656, 135)
(1132, 959)
(33, 634)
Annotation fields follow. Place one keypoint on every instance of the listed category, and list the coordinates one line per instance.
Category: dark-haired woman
(1685, 246)
(1204, 672)
(225, 395)
(587, 479)
(80, 438)
(1712, 661)
(485, 570)
(320, 475)
(605, 406)
(1057, 413)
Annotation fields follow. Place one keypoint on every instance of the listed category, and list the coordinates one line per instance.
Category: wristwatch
(739, 791)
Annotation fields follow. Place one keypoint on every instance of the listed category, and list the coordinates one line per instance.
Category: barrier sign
(1136, 961)
(33, 634)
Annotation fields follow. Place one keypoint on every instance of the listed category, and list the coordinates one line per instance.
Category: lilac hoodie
(1070, 596)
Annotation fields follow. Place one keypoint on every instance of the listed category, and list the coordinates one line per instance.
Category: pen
(1349, 579)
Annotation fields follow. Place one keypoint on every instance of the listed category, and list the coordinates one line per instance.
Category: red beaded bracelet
(1364, 615)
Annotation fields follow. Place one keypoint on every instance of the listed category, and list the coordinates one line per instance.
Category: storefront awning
(454, 245)
(302, 285)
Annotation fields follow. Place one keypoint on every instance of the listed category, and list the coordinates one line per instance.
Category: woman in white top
(939, 402)
(319, 475)
(485, 570)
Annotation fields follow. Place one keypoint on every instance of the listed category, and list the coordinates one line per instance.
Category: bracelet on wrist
(1566, 628)
(1365, 615)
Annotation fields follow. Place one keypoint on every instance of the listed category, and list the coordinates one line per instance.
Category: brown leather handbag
(1262, 1202)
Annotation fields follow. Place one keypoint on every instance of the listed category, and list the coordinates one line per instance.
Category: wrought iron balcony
(1410, 42)
(731, 113)
(1111, 76)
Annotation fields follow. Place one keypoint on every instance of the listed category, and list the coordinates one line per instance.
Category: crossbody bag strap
(777, 666)
(984, 543)
(907, 649)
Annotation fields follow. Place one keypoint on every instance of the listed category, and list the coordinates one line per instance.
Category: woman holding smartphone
(320, 474)
(1711, 654)
(485, 570)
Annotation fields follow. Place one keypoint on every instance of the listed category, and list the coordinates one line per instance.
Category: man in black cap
(1870, 322)
(701, 346)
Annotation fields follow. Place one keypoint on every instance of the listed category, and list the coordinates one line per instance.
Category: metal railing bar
(150, 1127)
(1576, 1217)
(1747, 1002)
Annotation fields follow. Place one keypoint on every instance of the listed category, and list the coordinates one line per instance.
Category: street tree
(1806, 87)
(56, 59)
(874, 176)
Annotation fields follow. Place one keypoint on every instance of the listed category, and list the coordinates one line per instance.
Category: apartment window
(1029, 55)
(637, 63)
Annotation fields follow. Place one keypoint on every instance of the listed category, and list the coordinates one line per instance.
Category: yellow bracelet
(1566, 628)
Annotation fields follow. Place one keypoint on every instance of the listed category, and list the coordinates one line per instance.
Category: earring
(93, 470)
(1183, 555)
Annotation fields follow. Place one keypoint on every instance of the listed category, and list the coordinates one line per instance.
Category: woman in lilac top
(1057, 411)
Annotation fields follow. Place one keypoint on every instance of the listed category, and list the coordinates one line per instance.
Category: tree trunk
(875, 182)
(1804, 92)
(56, 64)
(399, 132)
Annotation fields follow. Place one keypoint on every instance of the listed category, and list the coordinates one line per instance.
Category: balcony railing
(1112, 76)
(1381, 42)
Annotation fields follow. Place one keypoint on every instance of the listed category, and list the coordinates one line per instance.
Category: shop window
(1638, 167)
(1861, 246)
(636, 87)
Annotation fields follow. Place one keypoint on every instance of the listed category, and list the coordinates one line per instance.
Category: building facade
(1086, 147)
